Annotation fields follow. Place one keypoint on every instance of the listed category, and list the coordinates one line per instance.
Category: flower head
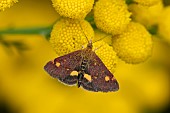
(6, 4)
(75, 9)
(164, 24)
(134, 45)
(147, 16)
(111, 16)
(69, 35)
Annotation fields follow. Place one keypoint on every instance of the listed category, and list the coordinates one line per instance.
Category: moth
(84, 68)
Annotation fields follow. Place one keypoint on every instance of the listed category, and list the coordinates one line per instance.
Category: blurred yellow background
(26, 88)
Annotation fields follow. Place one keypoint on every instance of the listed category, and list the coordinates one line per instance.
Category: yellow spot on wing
(74, 73)
(57, 64)
(52, 61)
(88, 77)
(107, 78)
(113, 78)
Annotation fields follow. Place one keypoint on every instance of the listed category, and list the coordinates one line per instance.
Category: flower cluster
(6, 4)
(114, 33)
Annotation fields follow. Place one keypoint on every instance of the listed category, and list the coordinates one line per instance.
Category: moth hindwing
(84, 68)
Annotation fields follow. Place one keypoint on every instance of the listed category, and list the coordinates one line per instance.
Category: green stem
(45, 31)
(25, 30)
(153, 29)
(129, 2)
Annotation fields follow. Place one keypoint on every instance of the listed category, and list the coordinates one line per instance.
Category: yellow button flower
(147, 2)
(134, 45)
(6, 4)
(106, 54)
(111, 16)
(164, 24)
(75, 9)
(147, 16)
(69, 35)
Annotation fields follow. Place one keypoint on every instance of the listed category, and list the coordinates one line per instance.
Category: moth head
(89, 45)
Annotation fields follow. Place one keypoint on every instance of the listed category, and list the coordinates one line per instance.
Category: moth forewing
(93, 75)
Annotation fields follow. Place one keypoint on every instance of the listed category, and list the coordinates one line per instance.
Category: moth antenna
(84, 33)
(101, 38)
(97, 48)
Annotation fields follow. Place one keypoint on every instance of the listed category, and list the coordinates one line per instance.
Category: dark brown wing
(101, 78)
(62, 67)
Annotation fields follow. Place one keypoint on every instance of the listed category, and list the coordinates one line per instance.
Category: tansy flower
(164, 24)
(106, 54)
(75, 9)
(147, 16)
(69, 35)
(111, 16)
(147, 2)
(99, 35)
(134, 45)
(6, 4)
